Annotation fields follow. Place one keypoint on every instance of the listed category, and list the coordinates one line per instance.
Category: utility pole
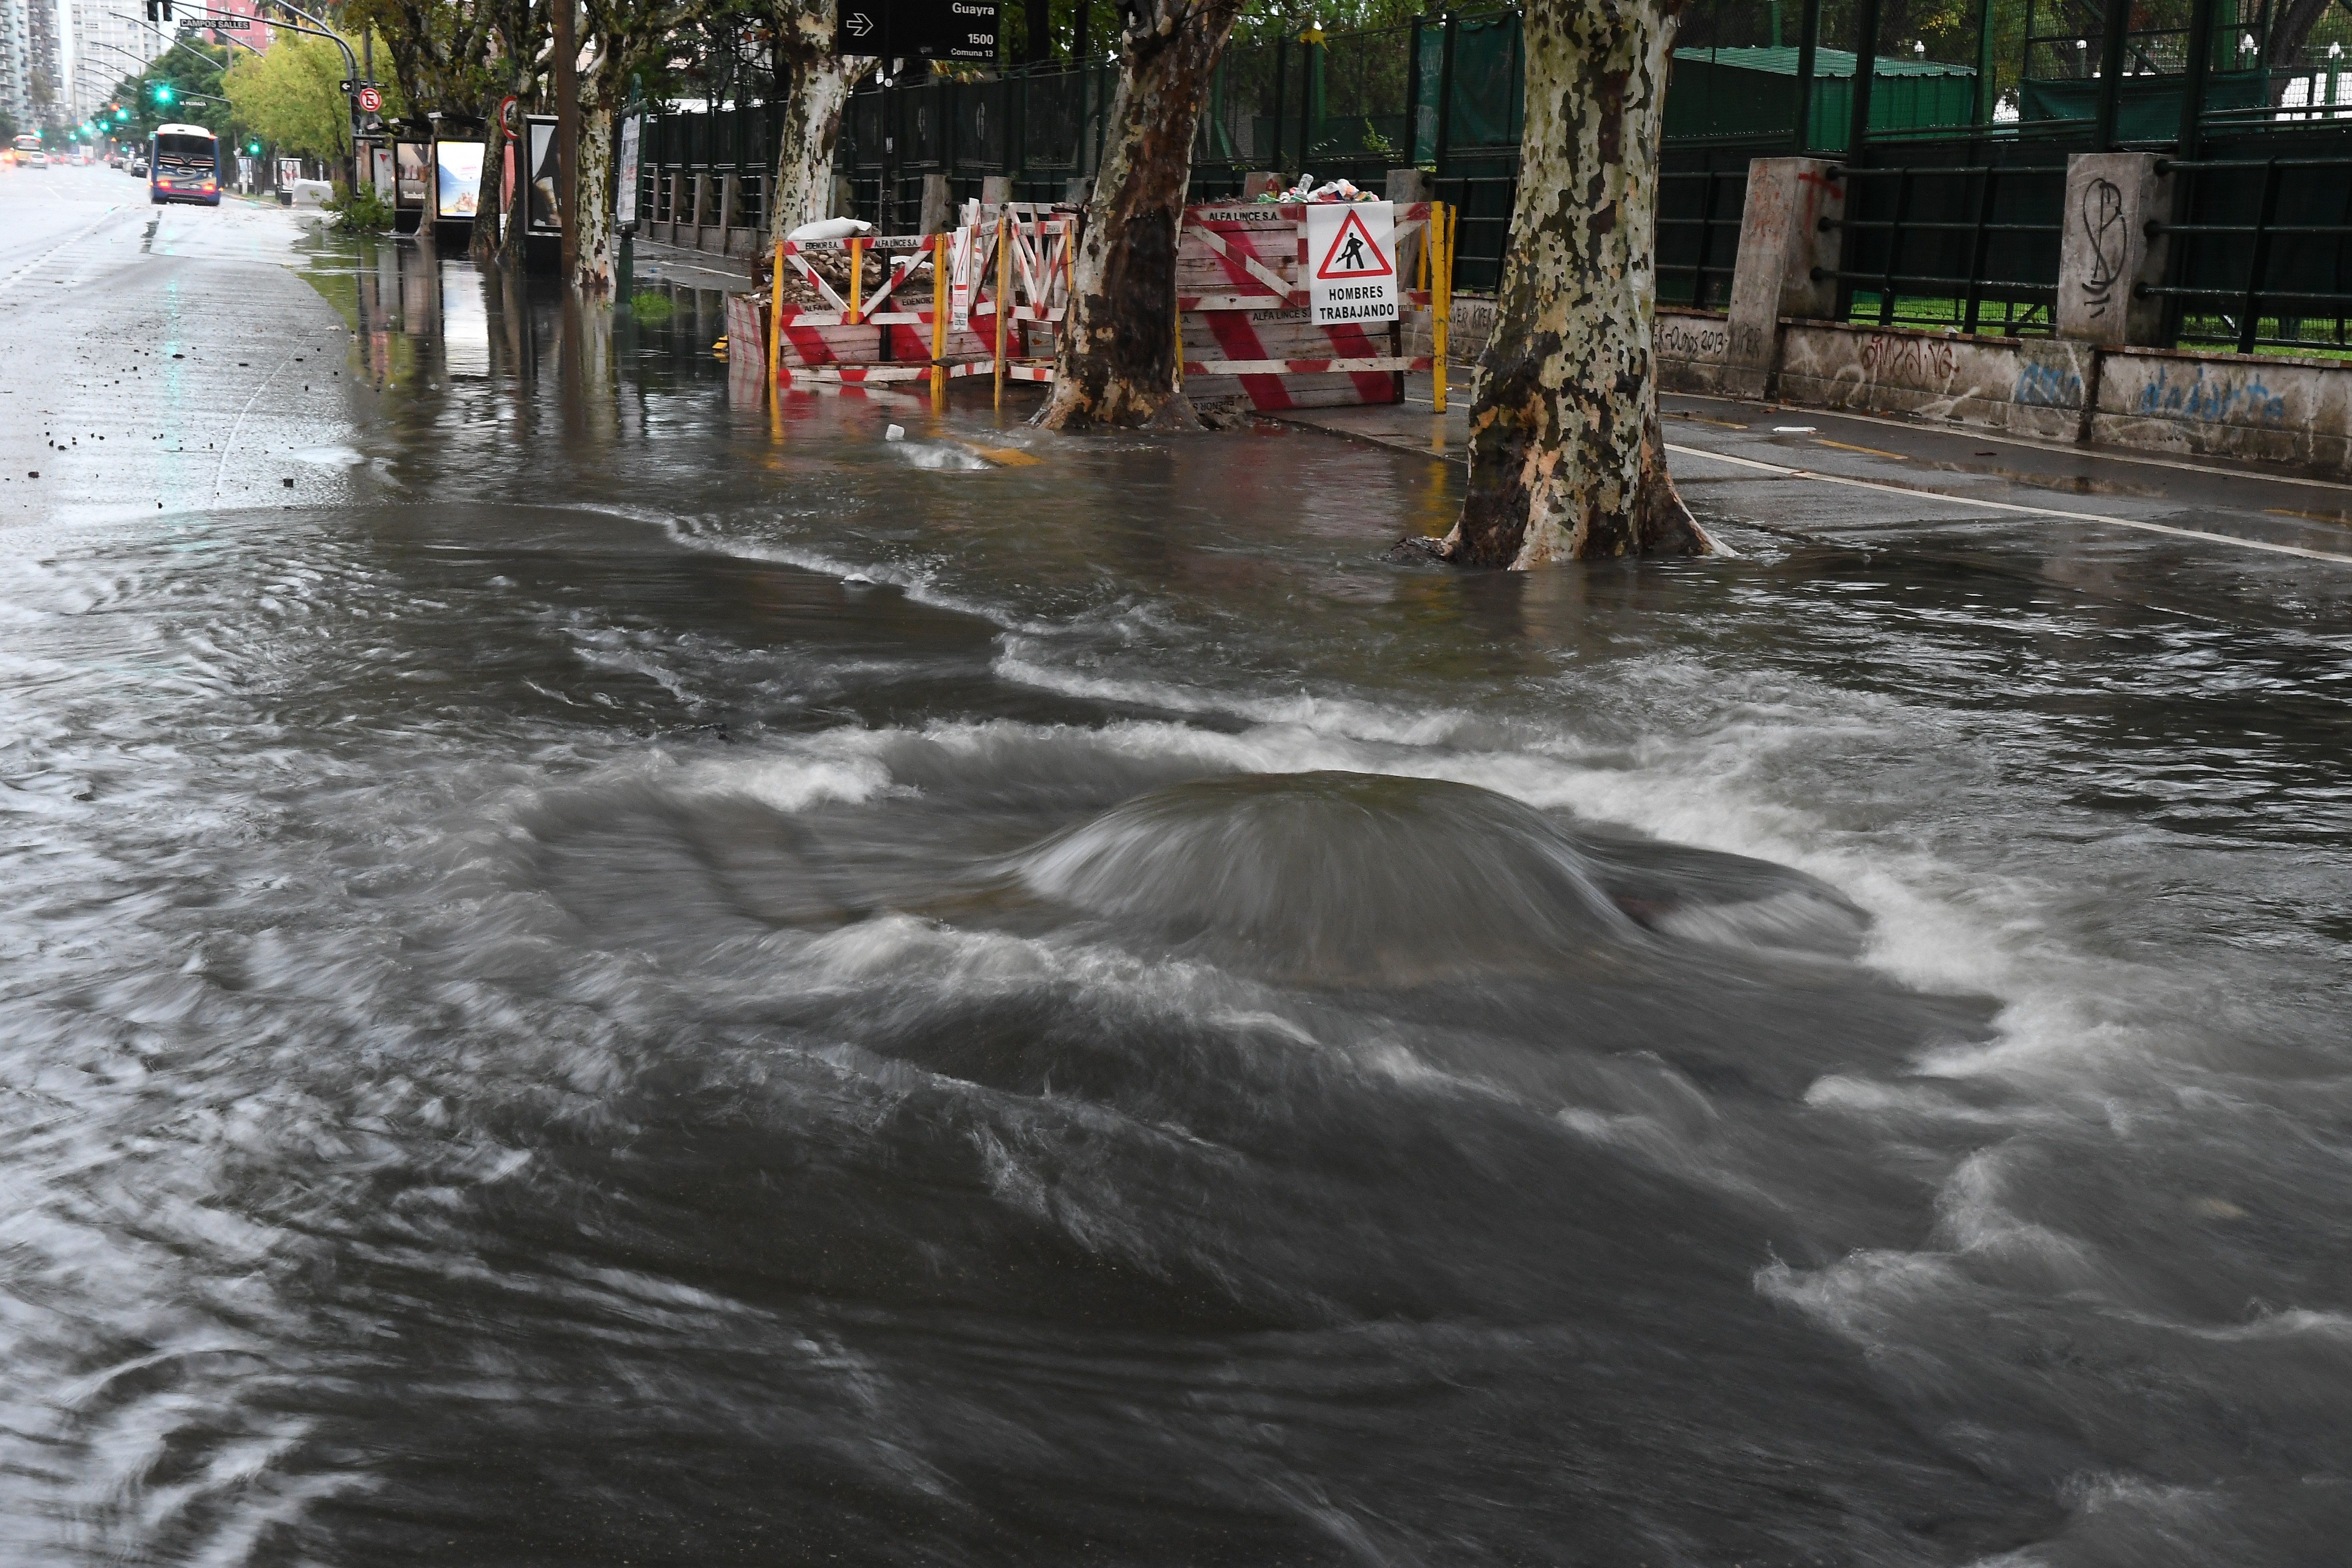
(567, 136)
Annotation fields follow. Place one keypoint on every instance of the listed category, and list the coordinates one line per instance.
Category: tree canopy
(292, 96)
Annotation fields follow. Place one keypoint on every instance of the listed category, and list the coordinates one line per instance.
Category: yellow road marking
(1874, 451)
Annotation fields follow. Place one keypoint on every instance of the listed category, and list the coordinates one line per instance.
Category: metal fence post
(1808, 39)
(2114, 32)
(1980, 245)
(1446, 94)
(1866, 57)
(1706, 240)
(1281, 81)
(1988, 96)
(1310, 81)
(2259, 261)
(1413, 92)
(2197, 72)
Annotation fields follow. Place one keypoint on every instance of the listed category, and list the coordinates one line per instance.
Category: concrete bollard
(995, 190)
(1407, 187)
(1262, 182)
(2104, 253)
(939, 208)
(1781, 243)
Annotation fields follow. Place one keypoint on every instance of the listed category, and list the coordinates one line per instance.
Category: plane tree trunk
(1117, 363)
(599, 117)
(813, 86)
(1566, 457)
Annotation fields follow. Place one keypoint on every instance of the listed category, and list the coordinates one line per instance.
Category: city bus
(184, 166)
(30, 153)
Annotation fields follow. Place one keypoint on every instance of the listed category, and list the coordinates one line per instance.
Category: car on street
(29, 153)
(138, 165)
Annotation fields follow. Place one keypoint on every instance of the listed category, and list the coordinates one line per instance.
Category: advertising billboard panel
(540, 215)
(456, 180)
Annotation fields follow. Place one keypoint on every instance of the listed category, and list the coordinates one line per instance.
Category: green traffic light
(162, 92)
(254, 148)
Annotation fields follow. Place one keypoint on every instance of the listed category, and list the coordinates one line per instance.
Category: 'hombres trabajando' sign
(1351, 272)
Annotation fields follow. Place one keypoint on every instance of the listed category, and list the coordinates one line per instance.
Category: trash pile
(1307, 190)
(833, 265)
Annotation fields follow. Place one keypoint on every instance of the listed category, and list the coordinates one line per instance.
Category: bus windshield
(180, 150)
(30, 143)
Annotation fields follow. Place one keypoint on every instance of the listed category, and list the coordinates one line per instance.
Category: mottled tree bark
(600, 115)
(1116, 363)
(815, 85)
(1565, 457)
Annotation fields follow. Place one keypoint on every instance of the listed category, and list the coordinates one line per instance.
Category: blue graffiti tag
(2047, 386)
(2198, 398)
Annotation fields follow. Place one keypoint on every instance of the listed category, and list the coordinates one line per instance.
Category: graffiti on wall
(1890, 357)
(2216, 397)
(1679, 337)
(2047, 386)
(2101, 214)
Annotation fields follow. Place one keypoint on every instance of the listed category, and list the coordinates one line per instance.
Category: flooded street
(592, 972)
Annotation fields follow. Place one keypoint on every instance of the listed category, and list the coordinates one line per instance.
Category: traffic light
(254, 147)
(162, 92)
(121, 114)
(159, 10)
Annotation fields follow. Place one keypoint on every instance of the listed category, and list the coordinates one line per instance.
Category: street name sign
(1351, 262)
(916, 29)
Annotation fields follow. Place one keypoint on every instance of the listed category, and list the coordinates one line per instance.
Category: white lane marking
(2055, 448)
(1914, 494)
(229, 446)
(76, 239)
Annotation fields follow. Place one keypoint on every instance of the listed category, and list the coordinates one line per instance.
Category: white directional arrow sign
(858, 24)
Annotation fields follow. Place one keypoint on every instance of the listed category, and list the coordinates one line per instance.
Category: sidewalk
(1824, 476)
(655, 262)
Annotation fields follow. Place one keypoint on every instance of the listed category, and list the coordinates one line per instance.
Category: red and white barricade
(896, 334)
(1240, 292)
(1000, 292)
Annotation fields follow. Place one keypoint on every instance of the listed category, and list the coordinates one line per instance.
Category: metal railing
(1711, 223)
(2253, 239)
(1960, 232)
(1947, 225)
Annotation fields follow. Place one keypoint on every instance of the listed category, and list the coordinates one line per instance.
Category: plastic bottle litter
(895, 433)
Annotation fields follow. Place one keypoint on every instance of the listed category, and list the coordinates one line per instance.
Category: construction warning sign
(1351, 272)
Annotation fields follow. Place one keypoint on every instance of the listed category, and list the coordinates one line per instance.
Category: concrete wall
(2094, 381)
(2031, 387)
(2257, 407)
(2260, 406)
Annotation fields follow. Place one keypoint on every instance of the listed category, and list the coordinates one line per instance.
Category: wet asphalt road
(592, 971)
(157, 358)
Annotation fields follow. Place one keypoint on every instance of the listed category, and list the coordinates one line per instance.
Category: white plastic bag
(830, 229)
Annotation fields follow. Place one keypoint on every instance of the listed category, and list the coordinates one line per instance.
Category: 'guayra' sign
(916, 29)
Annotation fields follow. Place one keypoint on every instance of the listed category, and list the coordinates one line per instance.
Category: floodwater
(677, 983)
